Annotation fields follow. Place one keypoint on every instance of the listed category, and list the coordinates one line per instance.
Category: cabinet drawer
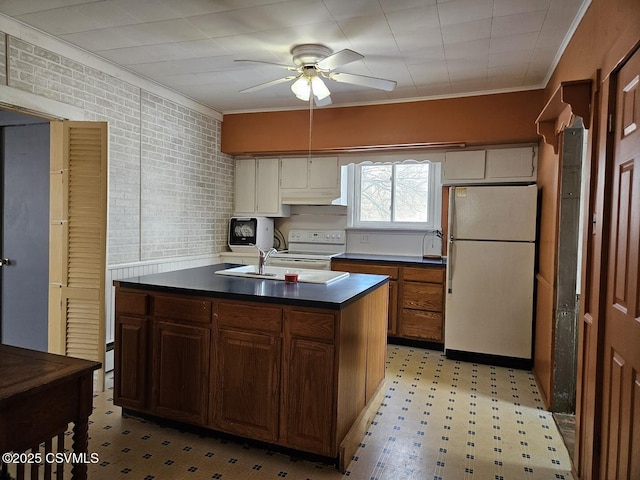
(419, 324)
(182, 309)
(389, 270)
(132, 303)
(422, 296)
(428, 274)
(249, 317)
(310, 324)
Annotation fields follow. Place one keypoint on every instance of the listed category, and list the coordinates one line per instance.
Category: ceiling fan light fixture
(319, 88)
(302, 88)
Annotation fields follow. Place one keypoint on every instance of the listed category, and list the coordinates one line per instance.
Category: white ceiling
(430, 47)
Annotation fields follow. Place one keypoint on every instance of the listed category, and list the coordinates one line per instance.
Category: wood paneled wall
(608, 33)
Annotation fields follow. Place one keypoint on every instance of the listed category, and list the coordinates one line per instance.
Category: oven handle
(300, 263)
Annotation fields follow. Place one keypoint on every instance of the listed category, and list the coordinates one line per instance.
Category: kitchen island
(297, 365)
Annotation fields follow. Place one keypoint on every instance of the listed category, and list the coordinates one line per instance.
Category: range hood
(314, 198)
(317, 196)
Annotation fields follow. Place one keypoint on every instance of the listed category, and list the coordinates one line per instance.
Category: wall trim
(32, 104)
(44, 40)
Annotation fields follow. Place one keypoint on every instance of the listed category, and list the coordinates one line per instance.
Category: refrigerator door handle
(450, 261)
(452, 204)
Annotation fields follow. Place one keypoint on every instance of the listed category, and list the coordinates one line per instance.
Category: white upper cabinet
(512, 164)
(310, 181)
(494, 166)
(294, 173)
(257, 188)
(464, 166)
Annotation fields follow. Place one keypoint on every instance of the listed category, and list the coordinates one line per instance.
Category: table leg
(80, 445)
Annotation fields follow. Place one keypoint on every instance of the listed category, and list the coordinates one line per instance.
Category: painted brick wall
(170, 187)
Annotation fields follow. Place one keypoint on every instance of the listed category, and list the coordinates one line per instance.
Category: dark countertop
(407, 259)
(202, 281)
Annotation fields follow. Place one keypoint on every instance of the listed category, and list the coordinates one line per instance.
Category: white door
(489, 304)
(493, 213)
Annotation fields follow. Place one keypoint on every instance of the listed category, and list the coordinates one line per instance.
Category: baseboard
(487, 359)
(409, 342)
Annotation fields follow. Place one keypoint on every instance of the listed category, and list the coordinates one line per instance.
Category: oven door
(311, 263)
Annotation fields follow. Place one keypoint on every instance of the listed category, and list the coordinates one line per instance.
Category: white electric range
(310, 249)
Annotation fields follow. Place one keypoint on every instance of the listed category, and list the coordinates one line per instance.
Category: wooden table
(40, 394)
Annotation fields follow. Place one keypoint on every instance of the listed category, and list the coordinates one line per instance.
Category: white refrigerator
(490, 271)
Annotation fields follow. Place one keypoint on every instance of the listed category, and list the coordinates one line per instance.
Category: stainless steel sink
(277, 273)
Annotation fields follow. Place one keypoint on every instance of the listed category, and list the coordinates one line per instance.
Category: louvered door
(78, 240)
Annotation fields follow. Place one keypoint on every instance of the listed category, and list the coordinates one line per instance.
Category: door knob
(4, 261)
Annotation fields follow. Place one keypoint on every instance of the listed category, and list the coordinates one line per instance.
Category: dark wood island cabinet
(300, 366)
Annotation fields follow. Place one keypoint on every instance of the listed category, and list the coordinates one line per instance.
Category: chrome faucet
(263, 257)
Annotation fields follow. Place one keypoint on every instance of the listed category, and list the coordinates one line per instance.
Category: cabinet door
(245, 186)
(421, 324)
(180, 379)
(130, 359)
(422, 296)
(463, 166)
(324, 172)
(294, 173)
(267, 184)
(514, 164)
(308, 396)
(247, 384)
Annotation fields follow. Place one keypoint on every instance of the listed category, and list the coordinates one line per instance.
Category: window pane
(375, 193)
(412, 193)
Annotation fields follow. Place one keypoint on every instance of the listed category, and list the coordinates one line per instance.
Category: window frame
(434, 199)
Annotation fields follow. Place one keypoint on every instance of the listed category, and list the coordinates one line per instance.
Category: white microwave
(245, 232)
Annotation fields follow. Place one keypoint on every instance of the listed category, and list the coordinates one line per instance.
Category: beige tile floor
(441, 419)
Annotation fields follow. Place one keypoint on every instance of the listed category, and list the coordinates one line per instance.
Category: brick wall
(170, 187)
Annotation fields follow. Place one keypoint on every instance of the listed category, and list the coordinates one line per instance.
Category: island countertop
(202, 281)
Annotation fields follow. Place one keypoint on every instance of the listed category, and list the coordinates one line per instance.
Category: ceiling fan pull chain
(310, 123)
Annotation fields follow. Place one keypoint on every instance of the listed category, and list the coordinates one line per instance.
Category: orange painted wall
(478, 120)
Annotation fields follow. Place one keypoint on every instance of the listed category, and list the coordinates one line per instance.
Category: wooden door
(180, 376)
(620, 450)
(308, 395)
(130, 382)
(594, 265)
(248, 384)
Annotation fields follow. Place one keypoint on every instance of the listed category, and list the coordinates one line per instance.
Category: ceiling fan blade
(338, 59)
(373, 82)
(321, 103)
(268, 84)
(281, 65)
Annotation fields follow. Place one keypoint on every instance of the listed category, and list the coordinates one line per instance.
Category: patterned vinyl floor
(441, 419)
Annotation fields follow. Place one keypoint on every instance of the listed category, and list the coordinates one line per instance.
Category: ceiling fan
(312, 64)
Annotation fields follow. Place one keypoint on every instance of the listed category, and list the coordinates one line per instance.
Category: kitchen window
(395, 195)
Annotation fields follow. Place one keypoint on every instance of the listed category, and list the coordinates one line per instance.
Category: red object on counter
(291, 277)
